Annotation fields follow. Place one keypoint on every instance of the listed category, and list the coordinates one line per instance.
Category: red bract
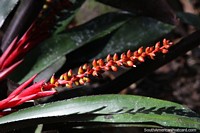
(21, 95)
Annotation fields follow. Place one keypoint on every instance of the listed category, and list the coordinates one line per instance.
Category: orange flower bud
(129, 53)
(114, 68)
(86, 79)
(157, 46)
(80, 70)
(61, 77)
(108, 58)
(129, 63)
(94, 73)
(140, 50)
(94, 63)
(164, 51)
(106, 68)
(70, 73)
(68, 85)
(76, 83)
(85, 66)
(141, 59)
(81, 81)
(123, 56)
(52, 80)
(115, 57)
(147, 50)
(100, 62)
(65, 76)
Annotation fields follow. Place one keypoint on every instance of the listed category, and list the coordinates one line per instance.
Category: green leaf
(115, 109)
(52, 49)
(189, 18)
(139, 31)
(6, 7)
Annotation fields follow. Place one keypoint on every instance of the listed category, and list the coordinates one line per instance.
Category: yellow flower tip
(129, 53)
(70, 73)
(80, 70)
(115, 57)
(101, 62)
(108, 58)
(157, 46)
(94, 73)
(141, 59)
(94, 63)
(114, 68)
(85, 66)
(76, 83)
(123, 57)
(68, 85)
(81, 81)
(140, 50)
(61, 77)
(86, 79)
(130, 63)
(65, 76)
(52, 80)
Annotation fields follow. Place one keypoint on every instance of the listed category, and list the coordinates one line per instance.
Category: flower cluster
(128, 59)
(42, 89)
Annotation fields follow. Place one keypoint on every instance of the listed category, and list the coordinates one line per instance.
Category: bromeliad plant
(53, 37)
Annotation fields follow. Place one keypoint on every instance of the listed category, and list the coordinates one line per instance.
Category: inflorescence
(128, 59)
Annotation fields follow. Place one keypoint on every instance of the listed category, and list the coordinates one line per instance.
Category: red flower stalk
(128, 59)
(21, 95)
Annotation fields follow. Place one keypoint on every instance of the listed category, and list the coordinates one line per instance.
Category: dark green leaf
(55, 47)
(189, 18)
(139, 31)
(66, 16)
(115, 109)
(6, 7)
(157, 9)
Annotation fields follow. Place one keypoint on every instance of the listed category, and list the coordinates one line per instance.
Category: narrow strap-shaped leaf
(116, 109)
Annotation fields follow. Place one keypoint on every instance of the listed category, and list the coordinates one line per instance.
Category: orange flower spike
(65, 76)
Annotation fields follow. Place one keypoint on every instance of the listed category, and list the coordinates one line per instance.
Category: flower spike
(128, 59)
